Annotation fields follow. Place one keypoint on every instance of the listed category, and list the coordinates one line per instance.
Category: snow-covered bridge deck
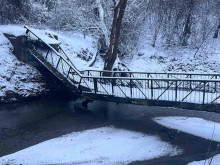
(133, 87)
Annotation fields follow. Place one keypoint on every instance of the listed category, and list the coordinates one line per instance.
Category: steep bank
(18, 81)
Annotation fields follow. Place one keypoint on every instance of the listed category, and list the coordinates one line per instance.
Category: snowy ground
(80, 50)
(161, 58)
(195, 126)
(164, 58)
(16, 78)
(107, 145)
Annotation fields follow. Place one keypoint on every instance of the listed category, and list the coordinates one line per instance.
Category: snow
(192, 126)
(106, 145)
(44, 36)
(15, 30)
(196, 126)
(15, 76)
(168, 58)
(75, 45)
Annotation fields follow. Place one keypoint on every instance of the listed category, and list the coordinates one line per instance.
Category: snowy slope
(107, 145)
(163, 58)
(80, 49)
(195, 126)
(17, 80)
(21, 80)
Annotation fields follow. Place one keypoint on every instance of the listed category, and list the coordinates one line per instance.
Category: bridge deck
(174, 87)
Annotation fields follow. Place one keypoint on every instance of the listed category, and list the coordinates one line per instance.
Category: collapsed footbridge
(185, 90)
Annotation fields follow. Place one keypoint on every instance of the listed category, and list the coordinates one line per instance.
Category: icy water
(25, 124)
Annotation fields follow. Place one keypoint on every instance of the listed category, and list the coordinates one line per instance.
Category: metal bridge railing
(185, 90)
(177, 87)
(153, 74)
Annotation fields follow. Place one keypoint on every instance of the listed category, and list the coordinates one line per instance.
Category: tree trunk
(103, 41)
(186, 31)
(217, 31)
(115, 35)
(187, 27)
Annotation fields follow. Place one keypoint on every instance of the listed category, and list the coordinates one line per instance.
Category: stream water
(25, 124)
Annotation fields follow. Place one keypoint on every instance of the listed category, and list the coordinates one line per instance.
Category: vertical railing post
(176, 86)
(131, 85)
(216, 83)
(204, 93)
(79, 86)
(113, 84)
(168, 82)
(190, 83)
(52, 57)
(152, 92)
(148, 75)
(95, 85)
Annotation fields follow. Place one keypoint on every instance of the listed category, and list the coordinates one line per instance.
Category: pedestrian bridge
(185, 90)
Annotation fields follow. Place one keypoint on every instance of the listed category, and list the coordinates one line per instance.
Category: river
(28, 123)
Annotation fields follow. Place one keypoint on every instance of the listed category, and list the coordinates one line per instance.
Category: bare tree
(188, 22)
(103, 41)
(217, 30)
(119, 10)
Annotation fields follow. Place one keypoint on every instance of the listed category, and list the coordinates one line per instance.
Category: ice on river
(107, 145)
(195, 126)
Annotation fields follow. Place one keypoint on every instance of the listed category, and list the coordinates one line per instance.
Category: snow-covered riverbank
(18, 81)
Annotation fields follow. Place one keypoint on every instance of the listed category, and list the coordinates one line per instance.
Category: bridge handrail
(154, 79)
(74, 68)
(176, 73)
(127, 78)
